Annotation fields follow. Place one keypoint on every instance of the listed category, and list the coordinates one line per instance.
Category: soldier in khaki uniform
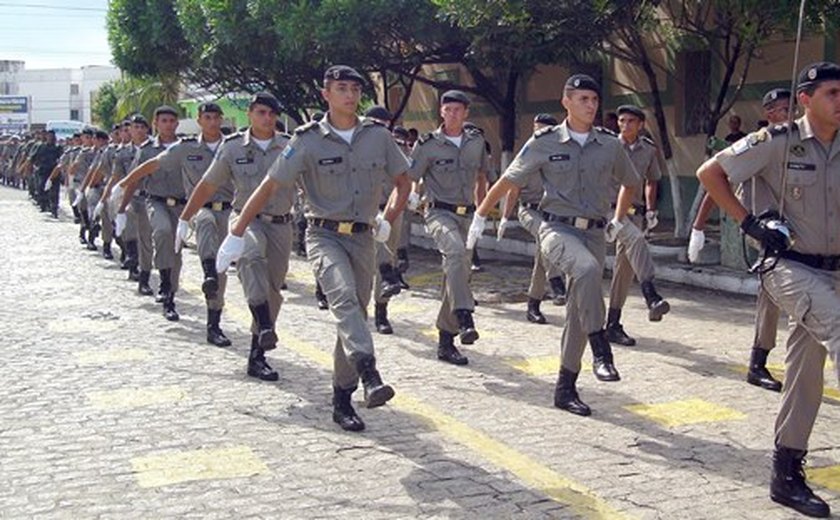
(61, 172)
(91, 188)
(76, 172)
(452, 162)
(121, 152)
(341, 162)
(632, 255)
(165, 198)
(800, 168)
(243, 159)
(575, 161)
(530, 218)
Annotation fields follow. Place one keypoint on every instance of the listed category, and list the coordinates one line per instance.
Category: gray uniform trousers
(449, 232)
(264, 264)
(632, 257)
(580, 255)
(137, 227)
(811, 297)
(93, 197)
(344, 266)
(386, 253)
(405, 229)
(766, 321)
(164, 221)
(531, 220)
(210, 229)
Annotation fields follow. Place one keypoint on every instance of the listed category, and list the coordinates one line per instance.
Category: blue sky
(54, 33)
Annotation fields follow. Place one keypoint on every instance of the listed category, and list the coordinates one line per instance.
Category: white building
(55, 94)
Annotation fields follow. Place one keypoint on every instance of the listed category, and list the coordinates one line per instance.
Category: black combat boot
(257, 365)
(380, 319)
(83, 235)
(390, 281)
(466, 326)
(377, 393)
(447, 351)
(165, 286)
(210, 286)
(131, 258)
(321, 297)
(788, 486)
(615, 331)
(169, 311)
(343, 413)
(76, 218)
(93, 232)
(534, 313)
(143, 286)
(266, 338)
(758, 374)
(602, 357)
(558, 289)
(566, 396)
(657, 307)
(215, 336)
(107, 254)
(402, 260)
(121, 245)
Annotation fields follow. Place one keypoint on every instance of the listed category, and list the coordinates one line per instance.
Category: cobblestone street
(110, 411)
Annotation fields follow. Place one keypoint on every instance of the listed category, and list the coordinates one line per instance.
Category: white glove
(87, 192)
(476, 230)
(48, 185)
(229, 252)
(119, 224)
(97, 211)
(78, 199)
(413, 201)
(181, 234)
(503, 225)
(381, 229)
(116, 195)
(652, 218)
(612, 229)
(695, 244)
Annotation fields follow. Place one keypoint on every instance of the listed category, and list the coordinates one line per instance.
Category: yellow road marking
(689, 411)
(827, 477)
(126, 398)
(535, 366)
(172, 468)
(116, 355)
(778, 371)
(537, 476)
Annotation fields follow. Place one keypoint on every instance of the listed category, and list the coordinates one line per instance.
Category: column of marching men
(344, 185)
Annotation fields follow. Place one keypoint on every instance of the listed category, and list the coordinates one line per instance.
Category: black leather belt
(576, 222)
(458, 210)
(823, 262)
(383, 206)
(530, 205)
(218, 206)
(634, 209)
(345, 228)
(169, 201)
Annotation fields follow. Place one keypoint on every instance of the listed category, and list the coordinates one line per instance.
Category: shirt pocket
(801, 184)
(331, 180)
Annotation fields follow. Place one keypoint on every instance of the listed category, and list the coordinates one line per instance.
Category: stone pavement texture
(109, 411)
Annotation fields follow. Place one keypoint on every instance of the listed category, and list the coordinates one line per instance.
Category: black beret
(633, 110)
(138, 118)
(775, 94)
(343, 73)
(166, 109)
(582, 82)
(401, 132)
(816, 73)
(266, 99)
(115, 127)
(102, 134)
(455, 96)
(378, 112)
(317, 116)
(88, 131)
(126, 122)
(209, 107)
(545, 119)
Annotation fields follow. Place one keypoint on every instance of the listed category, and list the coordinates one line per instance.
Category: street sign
(14, 114)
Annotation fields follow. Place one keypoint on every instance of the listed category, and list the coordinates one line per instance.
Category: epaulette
(425, 138)
(368, 121)
(648, 140)
(305, 128)
(474, 130)
(544, 131)
(781, 129)
(189, 139)
(235, 135)
(284, 134)
(605, 131)
(148, 142)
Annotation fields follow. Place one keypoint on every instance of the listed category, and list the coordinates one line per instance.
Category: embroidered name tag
(329, 160)
(244, 160)
(804, 167)
(195, 157)
(440, 162)
(559, 157)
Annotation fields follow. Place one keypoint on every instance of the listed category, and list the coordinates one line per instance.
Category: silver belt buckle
(582, 223)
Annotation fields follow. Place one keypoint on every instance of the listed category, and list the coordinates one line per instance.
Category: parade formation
(342, 188)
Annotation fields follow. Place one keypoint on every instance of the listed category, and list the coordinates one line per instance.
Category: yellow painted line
(580, 499)
(116, 355)
(208, 464)
(689, 411)
(77, 325)
(127, 398)
(434, 278)
(535, 366)
(827, 477)
(778, 371)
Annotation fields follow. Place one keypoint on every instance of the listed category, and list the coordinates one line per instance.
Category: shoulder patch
(780, 129)
(648, 140)
(144, 145)
(544, 131)
(605, 131)
(367, 121)
(425, 138)
(236, 135)
(305, 128)
(284, 134)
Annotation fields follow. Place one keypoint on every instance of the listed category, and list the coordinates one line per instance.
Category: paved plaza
(109, 411)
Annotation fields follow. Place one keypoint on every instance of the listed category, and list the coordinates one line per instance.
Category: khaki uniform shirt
(105, 161)
(241, 161)
(812, 194)
(576, 180)
(449, 172)
(342, 181)
(643, 155)
(123, 157)
(192, 156)
(166, 180)
(83, 161)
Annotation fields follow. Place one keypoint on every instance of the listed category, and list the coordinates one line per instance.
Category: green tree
(104, 108)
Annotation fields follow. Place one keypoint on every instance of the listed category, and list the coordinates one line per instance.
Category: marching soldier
(799, 166)
(575, 161)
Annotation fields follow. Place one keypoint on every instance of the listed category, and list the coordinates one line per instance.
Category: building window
(695, 74)
(74, 114)
(74, 89)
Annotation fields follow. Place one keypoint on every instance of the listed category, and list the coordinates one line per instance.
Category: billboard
(14, 114)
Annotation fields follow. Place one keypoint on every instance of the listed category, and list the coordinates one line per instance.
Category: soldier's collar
(442, 137)
(157, 144)
(565, 136)
(325, 128)
(632, 146)
(248, 137)
(806, 131)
